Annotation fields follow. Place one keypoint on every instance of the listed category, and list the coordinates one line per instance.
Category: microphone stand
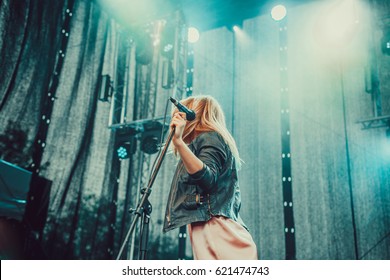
(144, 207)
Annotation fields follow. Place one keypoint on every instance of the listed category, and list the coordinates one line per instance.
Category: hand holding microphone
(190, 114)
(179, 121)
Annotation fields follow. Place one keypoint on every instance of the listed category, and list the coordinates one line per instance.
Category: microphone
(190, 114)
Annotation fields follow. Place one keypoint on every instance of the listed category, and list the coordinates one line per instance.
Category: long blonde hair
(209, 117)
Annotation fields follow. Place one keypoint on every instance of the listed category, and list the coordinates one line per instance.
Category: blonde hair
(209, 117)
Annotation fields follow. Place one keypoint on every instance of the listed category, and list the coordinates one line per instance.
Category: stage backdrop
(340, 173)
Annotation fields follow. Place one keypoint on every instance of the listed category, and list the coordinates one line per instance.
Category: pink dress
(221, 238)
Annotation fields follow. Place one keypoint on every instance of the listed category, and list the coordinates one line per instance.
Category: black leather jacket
(211, 191)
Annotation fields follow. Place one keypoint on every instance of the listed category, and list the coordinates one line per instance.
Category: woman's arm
(190, 161)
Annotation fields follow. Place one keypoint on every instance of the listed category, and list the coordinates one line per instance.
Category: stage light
(278, 12)
(106, 88)
(236, 28)
(168, 47)
(167, 43)
(150, 138)
(125, 142)
(123, 151)
(126, 148)
(193, 35)
(150, 144)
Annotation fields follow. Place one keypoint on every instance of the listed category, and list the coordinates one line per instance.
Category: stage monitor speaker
(14, 187)
(24, 197)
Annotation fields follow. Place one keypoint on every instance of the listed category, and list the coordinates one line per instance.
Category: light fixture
(193, 35)
(123, 151)
(106, 87)
(235, 26)
(149, 144)
(167, 42)
(150, 138)
(126, 143)
(278, 12)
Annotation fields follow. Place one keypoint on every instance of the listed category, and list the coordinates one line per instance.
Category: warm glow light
(339, 25)
(278, 12)
(193, 35)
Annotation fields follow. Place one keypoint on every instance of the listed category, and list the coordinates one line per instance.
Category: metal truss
(382, 121)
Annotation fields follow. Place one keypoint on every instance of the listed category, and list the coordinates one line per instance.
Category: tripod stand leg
(144, 236)
(144, 230)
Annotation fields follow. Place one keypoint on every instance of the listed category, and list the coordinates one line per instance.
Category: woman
(205, 192)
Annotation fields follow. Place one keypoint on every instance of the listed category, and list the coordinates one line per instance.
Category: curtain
(78, 140)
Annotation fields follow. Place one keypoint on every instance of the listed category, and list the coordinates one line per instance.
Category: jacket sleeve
(211, 150)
